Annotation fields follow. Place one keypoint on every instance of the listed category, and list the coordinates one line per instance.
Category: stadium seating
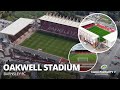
(100, 26)
(18, 35)
(80, 51)
(106, 28)
(88, 26)
(31, 57)
(60, 29)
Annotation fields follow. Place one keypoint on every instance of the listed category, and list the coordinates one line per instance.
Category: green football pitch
(52, 44)
(91, 58)
(99, 31)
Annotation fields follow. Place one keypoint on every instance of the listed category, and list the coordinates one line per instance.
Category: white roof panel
(60, 21)
(76, 24)
(56, 19)
(64, 21)
(111, 37)
(17, 26)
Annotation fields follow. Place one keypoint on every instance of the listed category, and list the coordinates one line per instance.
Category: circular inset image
(79, 55)
(97, 32)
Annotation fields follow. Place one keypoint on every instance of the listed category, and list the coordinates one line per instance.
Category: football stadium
(79, 55)
(47, 39)
(98, 34)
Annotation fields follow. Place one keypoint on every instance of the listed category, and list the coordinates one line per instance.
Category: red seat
(88, 26)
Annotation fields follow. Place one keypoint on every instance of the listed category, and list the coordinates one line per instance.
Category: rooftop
(16, 26)
(111, 37)
(60, 20)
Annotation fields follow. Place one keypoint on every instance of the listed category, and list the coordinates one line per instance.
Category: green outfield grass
(49, 43)
(87, 58)
(99, 31)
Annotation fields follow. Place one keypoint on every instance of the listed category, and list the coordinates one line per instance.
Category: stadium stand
(88, 26)
(80, 51)
(105, 27)
(100, 26)
(27, 54)
(18, 35)
(62, 30)
(59, 26)
(18, 28)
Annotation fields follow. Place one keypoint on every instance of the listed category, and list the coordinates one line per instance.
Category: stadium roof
(16, 26)
(86, 22)
(60, 21)
(111, 37)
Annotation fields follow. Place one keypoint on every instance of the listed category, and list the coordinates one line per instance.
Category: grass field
(89, 58)
(49, 43)
(99, 31)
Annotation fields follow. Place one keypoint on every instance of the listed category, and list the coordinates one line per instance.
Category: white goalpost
(82, 59)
